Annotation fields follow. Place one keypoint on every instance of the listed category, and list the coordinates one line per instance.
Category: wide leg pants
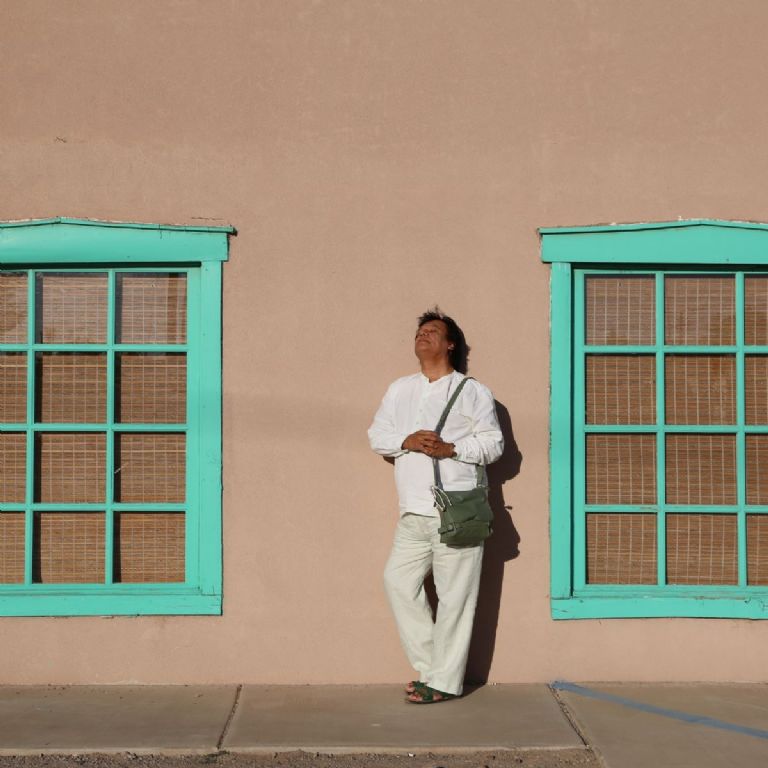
(437, 650)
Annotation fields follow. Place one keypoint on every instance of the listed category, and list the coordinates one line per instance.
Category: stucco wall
(376, 158)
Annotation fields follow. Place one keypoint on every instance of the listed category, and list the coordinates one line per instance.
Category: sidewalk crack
(232, 711)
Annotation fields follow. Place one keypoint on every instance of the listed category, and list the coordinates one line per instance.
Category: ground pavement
(626, 725)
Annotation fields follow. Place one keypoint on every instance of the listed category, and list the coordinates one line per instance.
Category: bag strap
(439, 429)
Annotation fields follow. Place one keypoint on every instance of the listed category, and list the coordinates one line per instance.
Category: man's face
(432, 340)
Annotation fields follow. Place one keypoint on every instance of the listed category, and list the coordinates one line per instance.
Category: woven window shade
(701, 469)
(621, 469)
(700, 389)
(756, 309)
(72, 308)
(69, 548)
(12, 548)
(13, 388)
(152, 389)
(13, 308)
(757, 550)
(71, 388)
(621, 389)
(13, 467)
(150, 467)
(621, 549)
(699, 310)
(620, 310)
(71, 467)
(757, 469)
(701, 549)
(152, 308)
(149, 547)
(756, 389)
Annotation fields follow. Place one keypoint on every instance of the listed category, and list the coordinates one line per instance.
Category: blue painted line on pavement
(684, 717)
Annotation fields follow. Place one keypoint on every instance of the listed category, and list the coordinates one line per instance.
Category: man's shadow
(499, 549)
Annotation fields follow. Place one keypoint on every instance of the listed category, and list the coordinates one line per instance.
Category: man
(403, 429)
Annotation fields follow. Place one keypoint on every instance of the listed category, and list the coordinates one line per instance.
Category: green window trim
(694, 246)
(62, 244)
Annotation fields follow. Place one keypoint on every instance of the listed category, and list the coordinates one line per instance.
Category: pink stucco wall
(376, 157)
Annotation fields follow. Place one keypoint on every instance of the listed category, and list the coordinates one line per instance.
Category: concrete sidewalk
(706, 726)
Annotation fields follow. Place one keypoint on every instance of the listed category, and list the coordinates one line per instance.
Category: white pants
(437, 650)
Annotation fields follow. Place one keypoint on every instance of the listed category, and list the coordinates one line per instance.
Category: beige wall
(375, 157)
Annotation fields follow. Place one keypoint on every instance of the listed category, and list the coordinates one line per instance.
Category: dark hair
(459, 355)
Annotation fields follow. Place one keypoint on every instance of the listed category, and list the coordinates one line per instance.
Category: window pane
(71, 308)
(701, 549)
(620, 309)
(700, 389)
(11, 548)
(621, 389)
(757, 550)
(621, 469)
(152, 389)
(69, 548)
(699, 309)
(756, 309)
(71, 388)
(149, 547)
(150, 467)
(757, 469)
(621, 549)
(701, 469)
(13, 308)
(152, 308)
(13, 467)
(13, 388)
(71, 467)
(756, 389)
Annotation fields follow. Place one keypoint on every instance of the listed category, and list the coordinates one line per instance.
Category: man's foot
(414, 685)
(426, 695)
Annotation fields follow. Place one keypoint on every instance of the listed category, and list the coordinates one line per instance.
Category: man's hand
(430, 443)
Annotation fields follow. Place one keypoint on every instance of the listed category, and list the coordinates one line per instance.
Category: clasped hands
(430, 443)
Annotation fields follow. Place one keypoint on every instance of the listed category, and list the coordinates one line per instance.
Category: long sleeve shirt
(413, 403)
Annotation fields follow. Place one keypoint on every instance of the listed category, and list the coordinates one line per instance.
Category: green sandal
(427, 695)
(414, 686)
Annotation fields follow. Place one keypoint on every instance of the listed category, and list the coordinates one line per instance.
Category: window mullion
(661, 445)
(109, 522)
(29, 496)
(579, 441)
(741, 464)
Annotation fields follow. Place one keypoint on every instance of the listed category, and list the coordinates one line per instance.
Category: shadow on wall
(499, 549)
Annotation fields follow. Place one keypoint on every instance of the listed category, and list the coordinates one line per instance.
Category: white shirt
(413, 403)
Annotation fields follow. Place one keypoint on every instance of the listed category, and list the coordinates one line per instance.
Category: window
(110, 498)
(659, 420)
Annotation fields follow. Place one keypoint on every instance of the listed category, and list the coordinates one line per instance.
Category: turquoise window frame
(82, 245)
(700, 245)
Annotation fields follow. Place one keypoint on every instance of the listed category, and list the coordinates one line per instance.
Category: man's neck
(435, 369)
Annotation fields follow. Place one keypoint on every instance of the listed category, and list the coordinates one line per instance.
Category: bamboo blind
(702, 549)
(701, 469)
(72, 467)
(13, 467)
(152, 308)
(700, 389)
(12, 548)
(756, 309)
(152, 389)
(757, 550)
(71, 388)
(621, 389)
(757, 469)
(150, 467)
(69, 547)
(621, 549)
(13, 388)
(699, 310)
(72, 308)
(13, 308)
(756, 389)
(621, 469)
(149, 547)
(620, 310)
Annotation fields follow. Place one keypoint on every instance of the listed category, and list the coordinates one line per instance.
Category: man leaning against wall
(404, 429)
